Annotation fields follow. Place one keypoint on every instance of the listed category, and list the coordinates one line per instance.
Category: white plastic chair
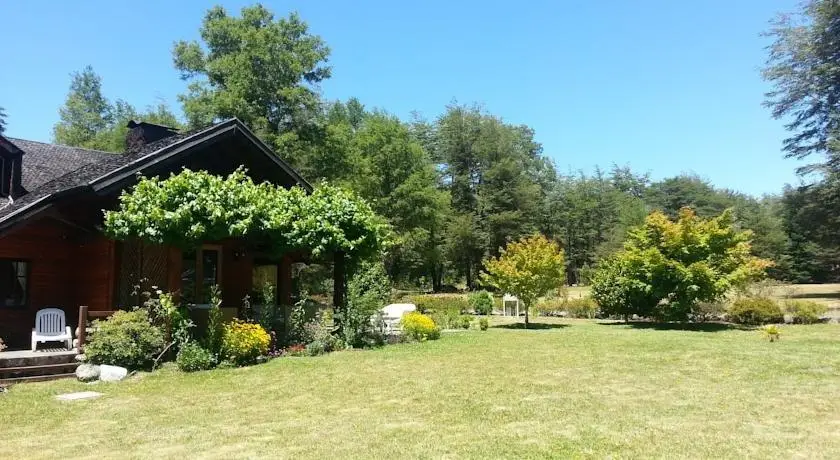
(51, 326)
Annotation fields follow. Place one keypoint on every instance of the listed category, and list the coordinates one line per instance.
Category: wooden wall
(67, 268)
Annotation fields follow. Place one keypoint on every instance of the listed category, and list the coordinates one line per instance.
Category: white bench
(393, 313)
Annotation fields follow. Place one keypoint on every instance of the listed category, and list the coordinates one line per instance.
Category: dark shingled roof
(45, 162)
(50, 170)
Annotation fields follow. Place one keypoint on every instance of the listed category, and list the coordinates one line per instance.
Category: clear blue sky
(665, 86)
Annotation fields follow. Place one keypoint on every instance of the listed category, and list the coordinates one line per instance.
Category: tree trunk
(526, 317)
(469, 275)
(437, 278)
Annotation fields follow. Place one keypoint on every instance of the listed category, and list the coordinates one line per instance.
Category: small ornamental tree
(668, 267)
(529, 268)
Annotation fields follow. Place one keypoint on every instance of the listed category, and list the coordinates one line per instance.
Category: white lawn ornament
(508, 298)
(51, 326)
(393, 313)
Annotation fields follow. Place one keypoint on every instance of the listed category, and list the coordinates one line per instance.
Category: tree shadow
(693, 327)
(531, 326)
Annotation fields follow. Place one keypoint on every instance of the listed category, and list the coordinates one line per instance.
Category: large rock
(87, 372)
(112, 373)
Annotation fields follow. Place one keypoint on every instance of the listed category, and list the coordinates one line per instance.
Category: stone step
(36, 378)
(37, 371)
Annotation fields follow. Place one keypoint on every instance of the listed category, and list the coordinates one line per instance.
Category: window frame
(199, 272)
(27, 290)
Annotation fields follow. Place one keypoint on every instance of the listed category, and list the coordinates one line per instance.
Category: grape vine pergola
(190, 208)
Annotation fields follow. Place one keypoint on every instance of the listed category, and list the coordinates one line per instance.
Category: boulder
(112, 373)
(87, 372)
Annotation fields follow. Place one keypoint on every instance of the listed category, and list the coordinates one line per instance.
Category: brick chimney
(142, 133)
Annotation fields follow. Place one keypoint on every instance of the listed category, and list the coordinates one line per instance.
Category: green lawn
(575, 388)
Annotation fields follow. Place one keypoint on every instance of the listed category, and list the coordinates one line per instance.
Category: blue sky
(664, 86)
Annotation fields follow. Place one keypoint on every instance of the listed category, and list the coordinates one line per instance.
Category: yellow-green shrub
(550, 306)
(755, 310)
(805, 311)
(243, 343)
(583, 307)
(419, 327)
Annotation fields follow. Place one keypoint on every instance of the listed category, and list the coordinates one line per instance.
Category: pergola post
(339, 281)
(81, 335)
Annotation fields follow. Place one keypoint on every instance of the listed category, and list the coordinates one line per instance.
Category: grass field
(571, 388)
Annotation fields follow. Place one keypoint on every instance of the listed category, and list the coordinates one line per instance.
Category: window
(14, 283)
(200, 270)
(263, 273)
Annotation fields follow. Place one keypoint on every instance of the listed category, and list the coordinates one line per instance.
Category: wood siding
(67, 268)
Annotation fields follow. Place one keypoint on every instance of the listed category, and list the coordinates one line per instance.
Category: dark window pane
(209, 272)
(188, 277)
(13, 283)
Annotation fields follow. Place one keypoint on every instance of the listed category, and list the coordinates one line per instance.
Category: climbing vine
(192, 207)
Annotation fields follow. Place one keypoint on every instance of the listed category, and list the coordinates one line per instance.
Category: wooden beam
(82, 334)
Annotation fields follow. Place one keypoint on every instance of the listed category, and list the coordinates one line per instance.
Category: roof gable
(54, 172)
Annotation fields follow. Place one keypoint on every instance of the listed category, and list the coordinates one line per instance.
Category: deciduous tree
(529, 269)
(263, 70)
(667, 267)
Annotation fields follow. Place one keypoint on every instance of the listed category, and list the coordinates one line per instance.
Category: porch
(31, 366)
(49, 263)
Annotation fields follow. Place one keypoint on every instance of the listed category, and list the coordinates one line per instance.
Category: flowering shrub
(243, 343)
(772, 332)
(419, 327)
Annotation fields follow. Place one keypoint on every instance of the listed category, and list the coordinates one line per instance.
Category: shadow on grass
(816, 295)
(531, 326)
(695, 327)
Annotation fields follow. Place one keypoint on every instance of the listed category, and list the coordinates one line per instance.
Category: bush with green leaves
(668, 267)
(581, 307)
(481, 302)
(418, 326)
(441, 303)
(193, 357)
(754, 311)
(316, 348)
(320, 330)
(444, 309)
(805, 311)
(298, 333)
(127, 339)
(465, 321)
(367, 292)
(215, 332)
(550, 306)
(483, 323)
